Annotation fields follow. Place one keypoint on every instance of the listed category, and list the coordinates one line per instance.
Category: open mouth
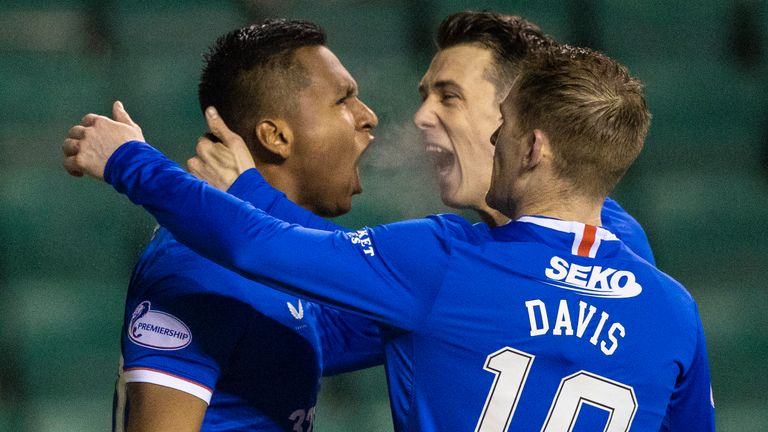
(442, 159)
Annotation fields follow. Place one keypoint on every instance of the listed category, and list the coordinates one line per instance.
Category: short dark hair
(592, 109)
(251, 72)
(509, 37)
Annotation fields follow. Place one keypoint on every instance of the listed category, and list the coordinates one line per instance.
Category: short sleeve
(176, 336)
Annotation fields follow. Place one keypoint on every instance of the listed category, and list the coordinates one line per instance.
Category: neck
(280, 178)
(572, 208)
(491, 217)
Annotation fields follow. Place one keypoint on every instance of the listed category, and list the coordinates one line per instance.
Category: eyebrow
(349, 88)
(441, 85)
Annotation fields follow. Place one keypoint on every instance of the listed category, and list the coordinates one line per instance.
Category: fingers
(236, 148)
(76, 132)
(89, 145)
(72, 167)
(120, 114)
(194, 165)
(205, 146)
(70, 147)
(89, 119)
(217, 126)
(214, 174)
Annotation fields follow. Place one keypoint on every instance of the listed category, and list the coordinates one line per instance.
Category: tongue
(442, 160)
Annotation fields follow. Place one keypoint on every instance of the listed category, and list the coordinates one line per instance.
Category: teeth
(435, 149)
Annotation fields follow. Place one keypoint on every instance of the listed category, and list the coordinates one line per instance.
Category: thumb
(120, 114)
(217, 127)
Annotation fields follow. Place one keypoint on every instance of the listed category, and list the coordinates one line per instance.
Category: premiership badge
(157, 330)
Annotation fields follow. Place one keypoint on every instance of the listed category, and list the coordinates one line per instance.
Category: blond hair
(592, 110)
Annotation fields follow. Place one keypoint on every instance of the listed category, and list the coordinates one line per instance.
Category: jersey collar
(586, 239)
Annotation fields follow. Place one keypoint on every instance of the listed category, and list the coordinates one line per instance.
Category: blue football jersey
(540, 324)
(250, 186)
(255, 355)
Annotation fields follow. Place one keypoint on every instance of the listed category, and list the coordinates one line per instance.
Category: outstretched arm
(379, 273)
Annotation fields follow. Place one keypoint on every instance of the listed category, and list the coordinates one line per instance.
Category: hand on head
(220, 163)
(89, 145)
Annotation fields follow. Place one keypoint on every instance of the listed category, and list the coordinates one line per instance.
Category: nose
(424, 118)
(367, 119)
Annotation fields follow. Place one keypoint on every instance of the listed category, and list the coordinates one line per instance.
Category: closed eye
(351, 92)
(448, 96)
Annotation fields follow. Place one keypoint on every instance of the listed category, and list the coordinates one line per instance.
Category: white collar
(587, 238)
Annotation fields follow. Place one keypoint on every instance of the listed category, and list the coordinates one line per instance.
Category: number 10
(511, 368)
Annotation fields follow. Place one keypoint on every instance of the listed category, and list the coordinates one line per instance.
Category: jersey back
(526, 333)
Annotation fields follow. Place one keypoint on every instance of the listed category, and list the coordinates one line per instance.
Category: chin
(342, 210)
(453, 198)
(343, 207)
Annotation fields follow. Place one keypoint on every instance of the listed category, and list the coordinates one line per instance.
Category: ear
(276, 137)
(537, 145)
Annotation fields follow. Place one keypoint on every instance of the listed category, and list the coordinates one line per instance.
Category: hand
(220, 163)
(89, 145)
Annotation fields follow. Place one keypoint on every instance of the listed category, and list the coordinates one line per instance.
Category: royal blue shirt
(250, 186)
(255, 355)
(540, 324)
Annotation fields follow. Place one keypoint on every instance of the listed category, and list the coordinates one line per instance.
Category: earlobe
(276, 137)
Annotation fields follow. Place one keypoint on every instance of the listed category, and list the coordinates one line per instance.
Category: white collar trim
(587, 238)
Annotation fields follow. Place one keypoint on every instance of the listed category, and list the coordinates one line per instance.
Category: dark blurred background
(67, 246)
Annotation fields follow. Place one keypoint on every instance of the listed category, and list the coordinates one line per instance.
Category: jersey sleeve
(349, 342)
(627, 229)
(176, 336)
(250, 186)
(692, 405)
(381, 273)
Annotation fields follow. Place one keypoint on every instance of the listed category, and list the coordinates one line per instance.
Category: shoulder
(627, 229)
(673, 288)
(170, 268)
(437, 224)
(617, 219)
(670, 299)
(614, 209)
(438, 229)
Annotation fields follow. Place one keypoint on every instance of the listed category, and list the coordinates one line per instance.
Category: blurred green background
(67, 246)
